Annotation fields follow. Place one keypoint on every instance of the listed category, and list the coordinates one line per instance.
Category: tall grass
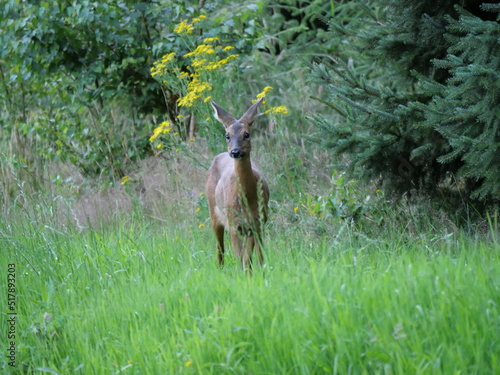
(142, 298)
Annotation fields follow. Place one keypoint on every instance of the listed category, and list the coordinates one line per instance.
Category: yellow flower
(188, 363)
(228, 48)
(207, 99)
(184, 27)
(217, 64)
(210, 40)
(187, 100)
(201, 225)
(155, 135)
(280, 110)
(198, 209)
(202, 49)
(156, 70)
(213, 65)
(160, 66)
(125, 179)
(195, 89)
(168, 57)
(295, 209)
(264, 92)
(378, 191)
(160, 146)
(199, 18)
(163, 128)
(198, 63)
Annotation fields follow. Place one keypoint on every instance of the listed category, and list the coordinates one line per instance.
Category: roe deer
(237, 194)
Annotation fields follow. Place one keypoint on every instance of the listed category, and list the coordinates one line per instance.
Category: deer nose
(237, 153)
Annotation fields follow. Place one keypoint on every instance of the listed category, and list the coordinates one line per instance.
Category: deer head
(238, 132)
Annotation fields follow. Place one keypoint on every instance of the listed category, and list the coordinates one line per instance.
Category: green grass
(144, 299)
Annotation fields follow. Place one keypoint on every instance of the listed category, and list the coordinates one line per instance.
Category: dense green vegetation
(381, 250)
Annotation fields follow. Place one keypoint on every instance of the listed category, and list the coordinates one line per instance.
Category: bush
(67, 68)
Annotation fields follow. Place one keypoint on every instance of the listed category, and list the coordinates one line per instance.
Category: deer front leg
(219, 234)
(246, 257)
(258, 249)
(236, 242)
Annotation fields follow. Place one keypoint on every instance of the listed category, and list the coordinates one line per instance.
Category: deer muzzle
(236, 153)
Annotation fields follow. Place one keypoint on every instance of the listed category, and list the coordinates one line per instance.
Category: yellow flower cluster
(200, 64)
(163, 128)
(217, 64)
(211, 40)
(264, 92)
(160, 66)
(195, 91)
(198, 19)
(202, 49)
(205, 58)
(278, 110)
(186, 27)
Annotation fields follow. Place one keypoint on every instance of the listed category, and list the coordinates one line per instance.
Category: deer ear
(221, 115)
(251, 113)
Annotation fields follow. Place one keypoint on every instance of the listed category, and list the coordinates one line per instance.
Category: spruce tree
(416, 91)
(467, 110)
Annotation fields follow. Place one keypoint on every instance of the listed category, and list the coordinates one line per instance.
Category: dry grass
(158, 187)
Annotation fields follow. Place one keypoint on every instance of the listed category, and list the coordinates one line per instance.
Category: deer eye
(227, 137)
(246, 135)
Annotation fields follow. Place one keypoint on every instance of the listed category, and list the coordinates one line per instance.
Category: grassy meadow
(141, 296)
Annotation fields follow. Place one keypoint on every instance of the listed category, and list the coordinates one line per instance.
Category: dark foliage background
(417, 93)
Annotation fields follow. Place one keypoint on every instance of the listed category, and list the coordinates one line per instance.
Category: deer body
(237, 193)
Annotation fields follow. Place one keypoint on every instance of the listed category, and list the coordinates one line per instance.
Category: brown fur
(233, 188)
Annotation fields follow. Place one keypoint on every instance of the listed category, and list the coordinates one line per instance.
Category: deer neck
(245, 176)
